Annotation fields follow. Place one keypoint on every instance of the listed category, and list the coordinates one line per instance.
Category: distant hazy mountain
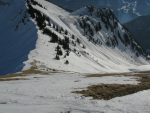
(125, 10)
(140, 28)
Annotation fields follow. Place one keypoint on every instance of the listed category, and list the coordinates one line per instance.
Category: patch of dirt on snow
(19, 76)
(109, 91)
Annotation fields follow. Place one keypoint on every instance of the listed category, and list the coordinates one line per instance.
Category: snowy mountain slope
(83, 41)
(63, 44)
(17, 35)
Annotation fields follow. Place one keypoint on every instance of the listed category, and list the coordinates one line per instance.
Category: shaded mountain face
(18, 35)
(140, 28)
(125, 10)
(88, 40)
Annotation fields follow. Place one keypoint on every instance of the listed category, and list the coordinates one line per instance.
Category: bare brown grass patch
(109, 91)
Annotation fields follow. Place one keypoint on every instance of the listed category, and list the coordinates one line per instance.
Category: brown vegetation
(20, 75)
(109, 91)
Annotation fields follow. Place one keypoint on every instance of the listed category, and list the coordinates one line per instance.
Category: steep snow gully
(37, 30)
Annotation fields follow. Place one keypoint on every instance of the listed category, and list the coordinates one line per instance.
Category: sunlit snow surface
(100, 59)
(53, 94)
